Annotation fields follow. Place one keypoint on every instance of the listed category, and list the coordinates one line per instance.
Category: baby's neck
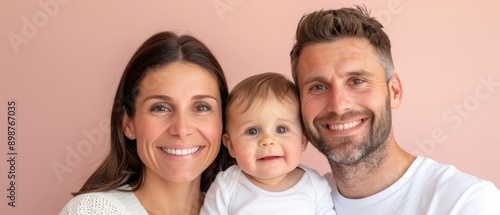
(280, 183)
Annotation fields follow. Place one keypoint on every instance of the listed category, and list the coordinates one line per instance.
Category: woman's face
(178, 122)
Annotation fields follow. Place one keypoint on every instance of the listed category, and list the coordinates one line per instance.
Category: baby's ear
(304, 142)
(227, 142)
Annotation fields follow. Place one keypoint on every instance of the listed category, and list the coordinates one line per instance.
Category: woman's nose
(181, 125)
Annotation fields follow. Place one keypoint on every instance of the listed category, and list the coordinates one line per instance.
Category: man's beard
(344, 150)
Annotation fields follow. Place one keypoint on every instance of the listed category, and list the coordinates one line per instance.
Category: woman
(166, 127)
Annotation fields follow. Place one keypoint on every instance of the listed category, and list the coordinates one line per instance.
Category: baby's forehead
(261, 104)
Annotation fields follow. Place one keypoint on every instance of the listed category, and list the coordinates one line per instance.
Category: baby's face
(267, 139)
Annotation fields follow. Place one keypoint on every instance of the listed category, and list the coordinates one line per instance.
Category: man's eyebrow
(314, 79)
(360, 72)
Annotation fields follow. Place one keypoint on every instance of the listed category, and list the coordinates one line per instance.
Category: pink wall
(61, 61)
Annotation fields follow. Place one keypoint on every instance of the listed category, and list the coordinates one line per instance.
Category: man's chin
(346, 158)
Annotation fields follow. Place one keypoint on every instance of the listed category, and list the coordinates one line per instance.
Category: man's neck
(374, 173)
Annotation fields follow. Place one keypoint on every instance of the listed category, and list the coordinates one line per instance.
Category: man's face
(345, 99)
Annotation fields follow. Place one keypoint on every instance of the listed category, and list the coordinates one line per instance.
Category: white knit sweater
(112, 202)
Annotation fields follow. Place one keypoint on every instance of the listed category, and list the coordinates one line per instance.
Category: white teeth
(180, 151)
(344, 126)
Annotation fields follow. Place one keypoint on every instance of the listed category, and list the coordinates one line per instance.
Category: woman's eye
(203, 107)
(252, 131)
(159, 108)
(281, 129)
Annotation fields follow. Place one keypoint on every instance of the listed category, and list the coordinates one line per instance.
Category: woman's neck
(162, 197)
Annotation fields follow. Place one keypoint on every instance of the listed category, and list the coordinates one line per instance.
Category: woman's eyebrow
(168, 98)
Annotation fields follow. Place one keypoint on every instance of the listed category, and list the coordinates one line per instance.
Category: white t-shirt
(110, 202)
(427, 187)
(232, 193)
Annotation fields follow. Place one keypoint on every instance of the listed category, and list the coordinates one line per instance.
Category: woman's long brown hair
(122, 165)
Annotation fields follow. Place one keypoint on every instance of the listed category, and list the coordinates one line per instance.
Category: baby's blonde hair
(257, 89)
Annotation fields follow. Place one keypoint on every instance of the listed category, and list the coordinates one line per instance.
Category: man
(342, 66)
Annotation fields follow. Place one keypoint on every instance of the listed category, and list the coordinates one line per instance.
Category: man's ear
(128, 127)
(229, 145)
(396, 91)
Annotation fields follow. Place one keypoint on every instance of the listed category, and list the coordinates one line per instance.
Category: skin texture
(350, 91)
(267, 142)
(178, 128)
(346, 108)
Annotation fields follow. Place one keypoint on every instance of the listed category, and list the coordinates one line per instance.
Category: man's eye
(252, 131)
(281, 129)
(357, 81)
(318, 87)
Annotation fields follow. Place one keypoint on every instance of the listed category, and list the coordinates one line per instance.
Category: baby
(264, 134)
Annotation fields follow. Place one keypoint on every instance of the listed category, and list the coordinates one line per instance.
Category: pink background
(61, 61)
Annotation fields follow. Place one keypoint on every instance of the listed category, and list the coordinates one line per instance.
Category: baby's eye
(252, 131)
(281, 129)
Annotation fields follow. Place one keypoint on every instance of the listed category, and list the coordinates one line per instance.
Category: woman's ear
(396, 91)
(128, 127)
(229, 145)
